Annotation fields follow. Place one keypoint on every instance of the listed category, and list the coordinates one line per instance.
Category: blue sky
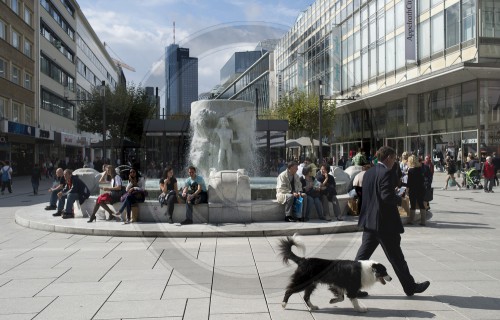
(137, 32)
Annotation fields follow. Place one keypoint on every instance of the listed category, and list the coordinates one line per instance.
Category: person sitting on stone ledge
(328, 193)
(59, 184)
(75, 189)
(134, 194)
(288, 189)
(112, 194)
(194, 192)
(169, 192)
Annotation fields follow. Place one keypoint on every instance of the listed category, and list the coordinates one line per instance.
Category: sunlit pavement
(49, 275)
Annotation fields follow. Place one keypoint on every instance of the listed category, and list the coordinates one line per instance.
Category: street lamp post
(320, 151)
(328, 98)
(102, 92)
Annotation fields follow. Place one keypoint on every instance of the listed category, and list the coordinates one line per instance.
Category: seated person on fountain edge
(75, 189)
(58, 185)
(288, 188)
(194, 192)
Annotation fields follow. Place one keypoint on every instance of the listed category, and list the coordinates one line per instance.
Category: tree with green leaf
(302, 112)
(126, 109)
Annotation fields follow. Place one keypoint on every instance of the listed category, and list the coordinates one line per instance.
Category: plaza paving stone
(53, 275)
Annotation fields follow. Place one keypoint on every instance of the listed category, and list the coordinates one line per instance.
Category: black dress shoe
(187, 221)
(57, 214)
(361, 294)
(290, 219)
(50, 208)
(420, 287)
(68, 216)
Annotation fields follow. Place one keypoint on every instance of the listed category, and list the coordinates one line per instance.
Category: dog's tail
(285, 248)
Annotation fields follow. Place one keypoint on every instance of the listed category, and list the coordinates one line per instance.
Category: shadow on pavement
(16, 199)
(474, 302)
(377, 313)
(457, 225)
(458, 212)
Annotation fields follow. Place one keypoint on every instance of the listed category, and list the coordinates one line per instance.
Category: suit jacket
(379, 210)
(284, 186)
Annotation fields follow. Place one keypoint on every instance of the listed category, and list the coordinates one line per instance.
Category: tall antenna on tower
(174, 32)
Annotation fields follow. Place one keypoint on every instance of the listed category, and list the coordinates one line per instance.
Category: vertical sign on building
(410, 34)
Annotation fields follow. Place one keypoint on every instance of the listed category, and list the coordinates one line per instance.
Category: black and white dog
(342, 276)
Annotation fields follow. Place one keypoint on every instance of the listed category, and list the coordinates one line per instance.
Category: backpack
(5, 174)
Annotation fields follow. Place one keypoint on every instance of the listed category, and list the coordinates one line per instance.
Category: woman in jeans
(134, 192)
(328, 193)
(169, 192)
(313, 194)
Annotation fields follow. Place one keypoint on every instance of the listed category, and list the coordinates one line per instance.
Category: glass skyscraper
(181, 72)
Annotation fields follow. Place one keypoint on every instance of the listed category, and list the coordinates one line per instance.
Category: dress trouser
(289, 205)
(391, 244)
(289, 208)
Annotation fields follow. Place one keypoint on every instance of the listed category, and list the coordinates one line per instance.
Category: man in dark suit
(380, 220)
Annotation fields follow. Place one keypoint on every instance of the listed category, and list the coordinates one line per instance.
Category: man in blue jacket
(381, 222)
(75, 189)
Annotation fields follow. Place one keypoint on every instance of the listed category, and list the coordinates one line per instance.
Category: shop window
(469, 105)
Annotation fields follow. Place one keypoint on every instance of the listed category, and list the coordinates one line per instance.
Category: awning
(116, 143)
(301, 142)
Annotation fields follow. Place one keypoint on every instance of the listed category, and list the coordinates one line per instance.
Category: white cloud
(137, 32)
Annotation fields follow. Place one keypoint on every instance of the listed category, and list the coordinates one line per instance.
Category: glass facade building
(181, 72)
(447, 96)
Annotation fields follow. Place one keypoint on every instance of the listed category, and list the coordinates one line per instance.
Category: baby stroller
(473, 179)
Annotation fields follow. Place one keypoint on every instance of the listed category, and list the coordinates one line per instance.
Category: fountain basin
(252, 212)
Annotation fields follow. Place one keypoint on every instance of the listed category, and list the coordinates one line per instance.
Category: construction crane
(118, 63)
(122, 64)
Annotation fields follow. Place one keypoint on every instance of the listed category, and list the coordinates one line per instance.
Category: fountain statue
(222, 135)
(223, 149)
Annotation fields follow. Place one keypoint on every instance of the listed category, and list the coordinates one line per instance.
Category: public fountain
(223, 149)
